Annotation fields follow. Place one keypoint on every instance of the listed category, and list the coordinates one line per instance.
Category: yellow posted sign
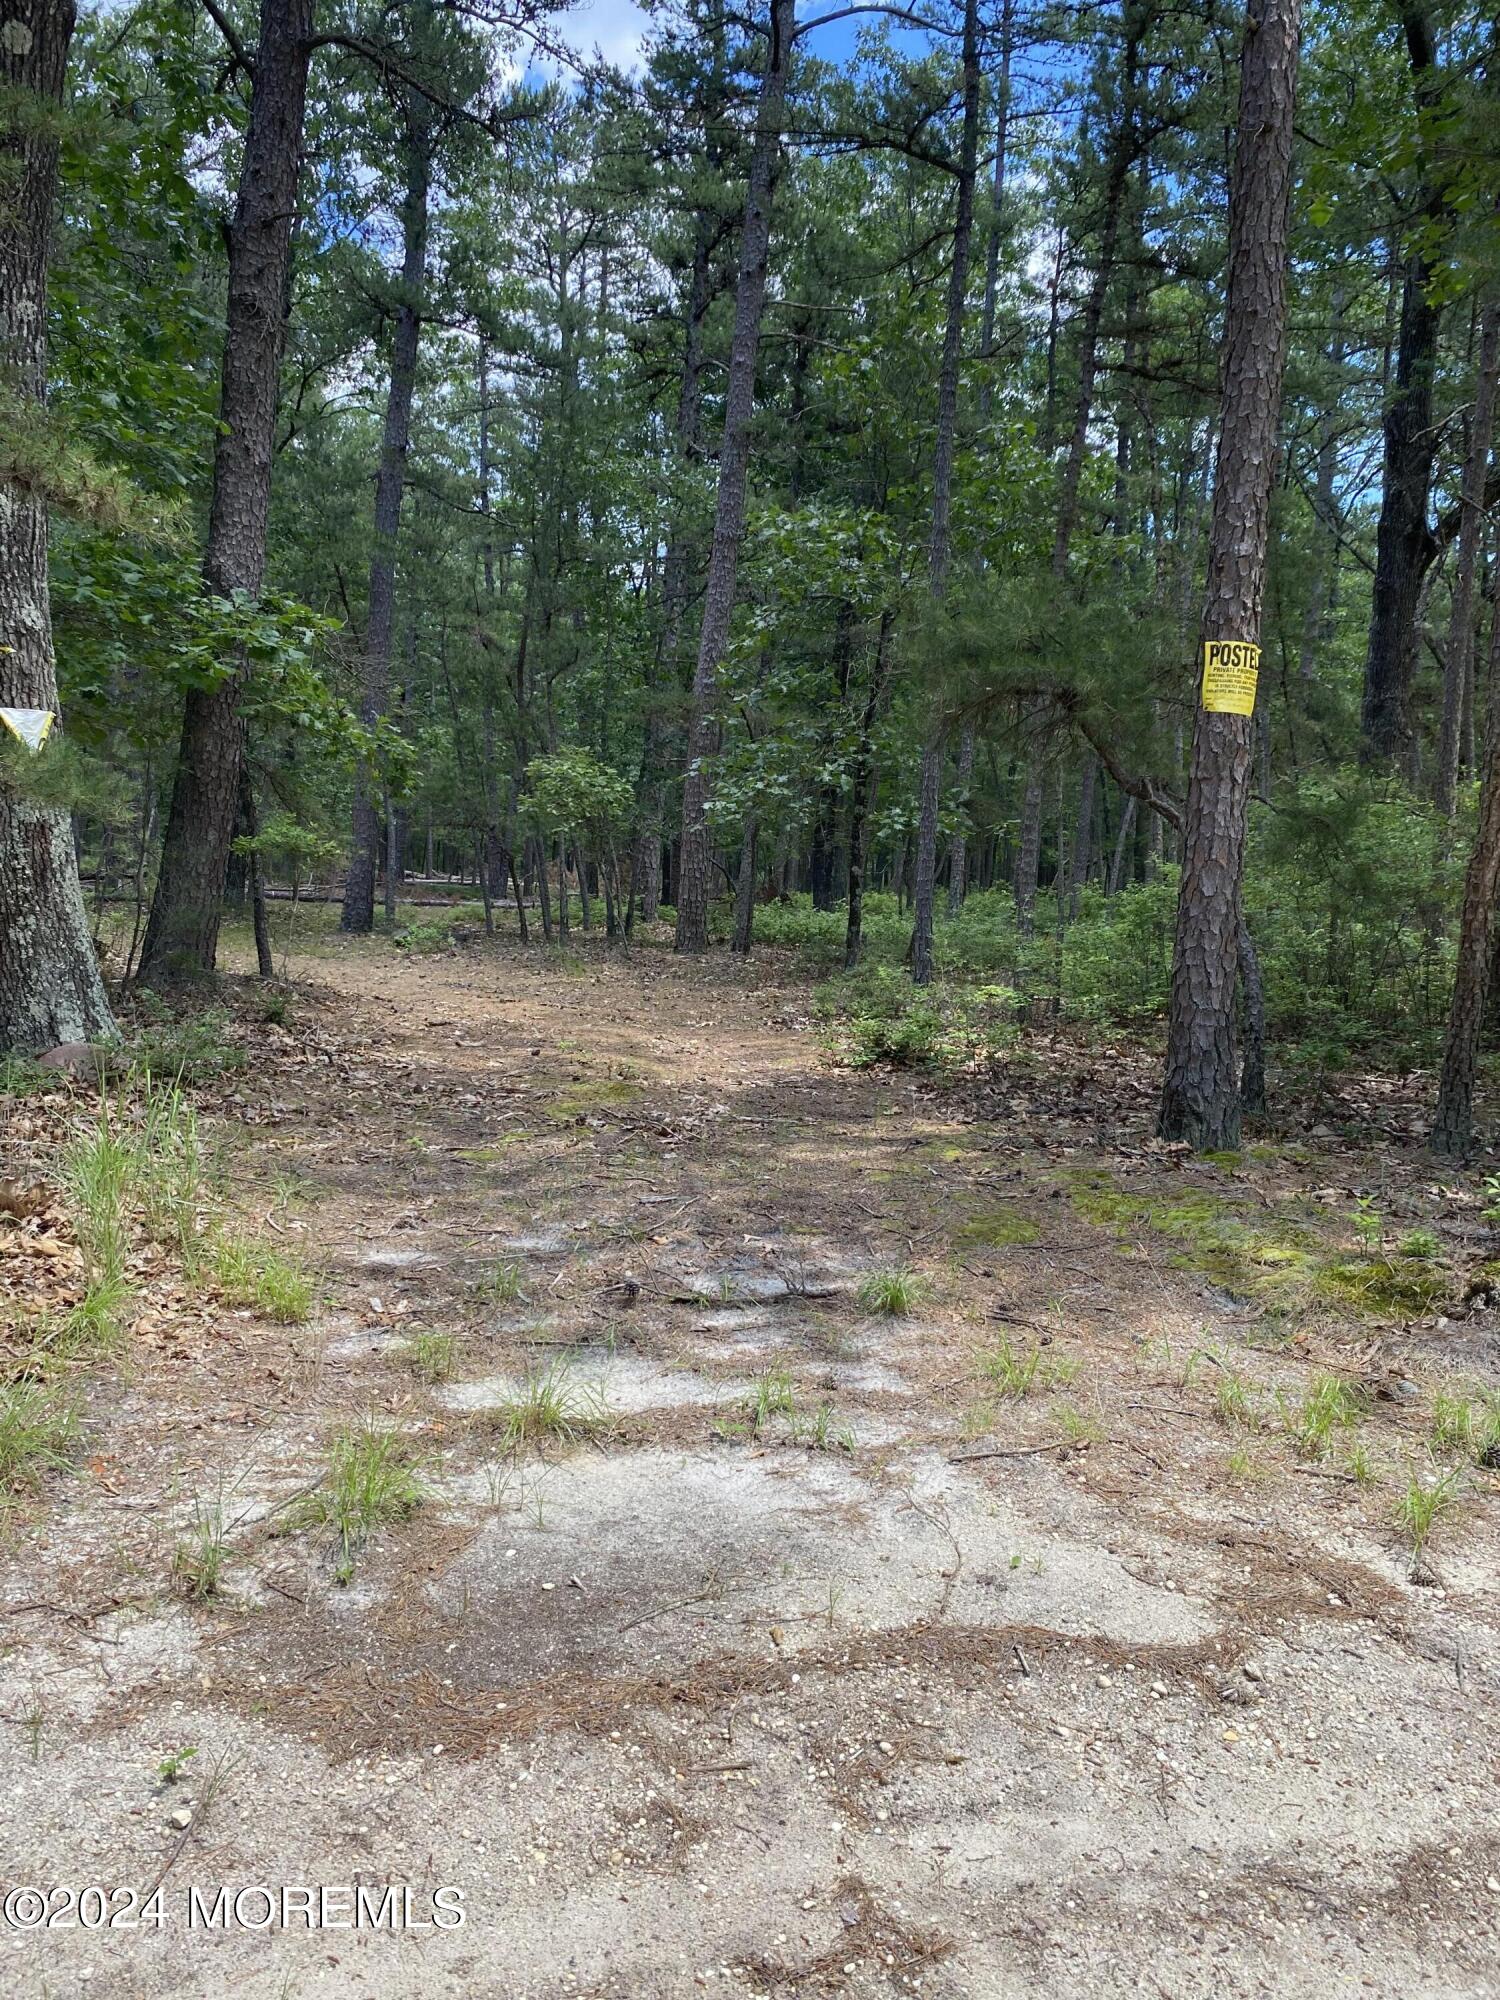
(30, 725)
(1231, 668)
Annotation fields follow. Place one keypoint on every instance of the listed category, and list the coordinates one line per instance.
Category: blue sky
(618, 28)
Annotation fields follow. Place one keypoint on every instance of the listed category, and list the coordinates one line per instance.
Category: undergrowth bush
(876, 1015)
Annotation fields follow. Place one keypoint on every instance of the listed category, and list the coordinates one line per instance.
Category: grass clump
(1466, 1419)
(199, 1557)
(551, 1403)
(1422, 1504)
(99, 1170)
(1234, 1402)
(893, 1293)
(431, 1355)
(824, 1431)
(196, 1049)
(1017, 1371)
(502, 1282)
(1331, 1408)
(775, 1396)
(371, 1482)
(247, 1273)
(38, 1424)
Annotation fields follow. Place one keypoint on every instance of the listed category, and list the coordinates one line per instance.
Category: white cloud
(615, 27)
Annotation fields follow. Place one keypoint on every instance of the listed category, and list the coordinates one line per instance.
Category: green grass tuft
(1330, 1407)
(38, 1424)
(893, 1293)
(1019, 1371)
(371, 1481)
(247, 1273)
(552, 1403)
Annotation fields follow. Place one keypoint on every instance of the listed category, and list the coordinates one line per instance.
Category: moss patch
(581, 1098)
(996, 1228)
(1284, 1265)
(1209, 1237)
(1383, 1284)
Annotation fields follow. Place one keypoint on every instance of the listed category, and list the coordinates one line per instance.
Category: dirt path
(814, 1662)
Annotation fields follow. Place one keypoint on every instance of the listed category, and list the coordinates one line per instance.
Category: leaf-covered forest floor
(1064, 1629)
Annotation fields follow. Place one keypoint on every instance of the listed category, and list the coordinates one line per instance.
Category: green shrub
(1116, 959)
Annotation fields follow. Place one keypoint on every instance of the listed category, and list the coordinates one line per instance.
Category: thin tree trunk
(390, 485)
(1200, 1092)
(997, 214)
(1402, 537)
(1253, 1024)
(1322, 599)
(1458, 658)
(862, 793)
(1122, 154)
(930, 790)
(182, 934)
(744, 891)
(1083, 837)
(50, 985)
(255, 877)
(1029, 851)
(958, 846)
(1453, 1121)
(1123, 845)
(734, 465)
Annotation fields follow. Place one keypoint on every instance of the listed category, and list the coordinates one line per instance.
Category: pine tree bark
(958, 846)
(862, 782)
(924, 882)
(1453, 1121)
(1402, 536)
(1458, 658)
(1080, 860)
(744, 891)
(694, 861)
(1029, 851)
(1200, 1094)
(390, 484)
(182, 935)
(50, 986)
(1124, 842)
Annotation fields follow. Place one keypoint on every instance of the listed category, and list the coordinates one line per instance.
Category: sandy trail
(769, 1682)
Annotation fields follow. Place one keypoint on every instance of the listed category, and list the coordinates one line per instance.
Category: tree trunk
(1123, 846)
(182, 934)
(1083, 837)
(1458, 659)
(925, 875)
(1453, 1122)
(1402, 536)
(50, 986)
(1121, 157)
(734, 466)
(390, 483)
(1029, 852)
(744, 891)
(265, 964)
(1253, 1010)
(997, 214)
(862, 793)
(958, 846)
(1200, 1093)
(1322, 599)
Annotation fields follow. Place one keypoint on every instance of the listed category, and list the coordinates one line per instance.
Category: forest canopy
(779, 487)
